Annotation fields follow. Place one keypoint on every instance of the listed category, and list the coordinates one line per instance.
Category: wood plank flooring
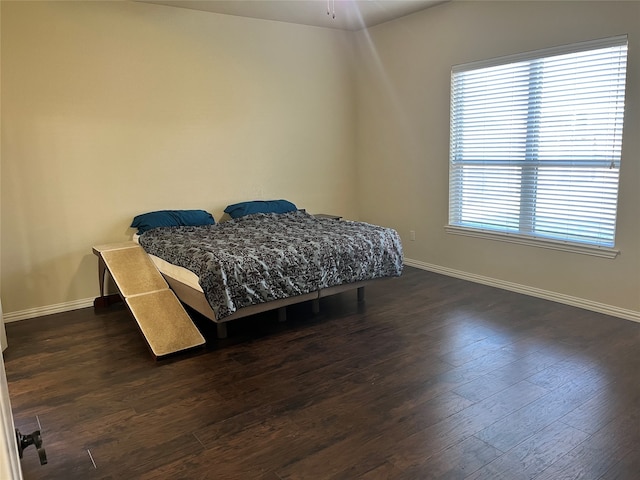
(432, 377)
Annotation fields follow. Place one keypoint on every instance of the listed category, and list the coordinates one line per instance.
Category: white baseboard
(492, 282)
(47, 310)
(532, 291)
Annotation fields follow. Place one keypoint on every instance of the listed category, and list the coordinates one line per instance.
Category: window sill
(603, 252)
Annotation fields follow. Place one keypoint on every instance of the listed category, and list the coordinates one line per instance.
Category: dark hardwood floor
(432, 377)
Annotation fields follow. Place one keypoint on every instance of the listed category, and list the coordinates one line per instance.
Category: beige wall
(114, 108)
(403, 134)
(3, 332)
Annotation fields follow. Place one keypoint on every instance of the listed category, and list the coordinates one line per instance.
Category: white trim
(47, 310)
(544, 52)
(531, 291)
(604, 252)
(3, 333)
(472, 277)
(9, 459)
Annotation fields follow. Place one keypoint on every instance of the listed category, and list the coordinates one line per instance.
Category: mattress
(266, 257)
(176, 272)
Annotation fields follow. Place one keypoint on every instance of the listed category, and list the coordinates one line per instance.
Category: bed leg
(360, 294)
(315, 306)
(282, 314)
(102, 270)
(221, 330)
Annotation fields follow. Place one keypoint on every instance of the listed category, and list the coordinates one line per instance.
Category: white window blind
(536, 142)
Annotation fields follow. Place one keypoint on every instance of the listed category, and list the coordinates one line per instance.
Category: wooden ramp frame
(162, 319)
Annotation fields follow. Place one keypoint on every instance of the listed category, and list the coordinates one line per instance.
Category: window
(536, 143)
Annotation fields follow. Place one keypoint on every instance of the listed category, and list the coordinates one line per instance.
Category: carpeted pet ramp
(165, 324)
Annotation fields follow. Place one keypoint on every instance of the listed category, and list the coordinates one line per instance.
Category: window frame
(522, 236)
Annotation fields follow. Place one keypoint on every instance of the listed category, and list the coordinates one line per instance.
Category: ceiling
(349, 14)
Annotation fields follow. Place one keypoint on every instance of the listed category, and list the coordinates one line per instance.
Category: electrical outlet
(412, 235)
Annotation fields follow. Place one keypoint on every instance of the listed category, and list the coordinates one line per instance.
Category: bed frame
(196, 300)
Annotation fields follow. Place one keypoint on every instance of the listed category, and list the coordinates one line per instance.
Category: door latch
(35, 439)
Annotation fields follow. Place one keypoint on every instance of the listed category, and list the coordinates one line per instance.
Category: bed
(265, 261)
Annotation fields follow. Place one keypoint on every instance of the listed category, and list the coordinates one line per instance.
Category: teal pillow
(171, 218)
(259, 206)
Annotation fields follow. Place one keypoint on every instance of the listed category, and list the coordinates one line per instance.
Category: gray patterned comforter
(264, 257)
